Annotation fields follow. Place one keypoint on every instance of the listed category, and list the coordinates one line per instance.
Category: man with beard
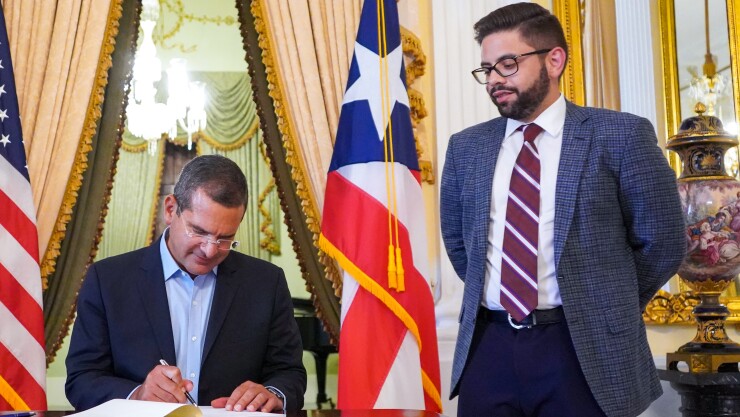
(563, 221)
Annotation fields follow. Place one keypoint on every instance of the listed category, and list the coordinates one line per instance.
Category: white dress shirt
(548, 145)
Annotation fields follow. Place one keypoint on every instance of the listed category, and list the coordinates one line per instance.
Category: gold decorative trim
(733, 14)
(155, 196)
(418, 106)
(416, 67)
(251, 132)
(572, 80)
(670, 75)
(93, 114)
(131, 148)
(667, 308)
(270, 242)
(210, 140)
(286, 128)
(411, 45)
(427, 171)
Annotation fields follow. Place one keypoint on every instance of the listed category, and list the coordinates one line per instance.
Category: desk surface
(315, 413)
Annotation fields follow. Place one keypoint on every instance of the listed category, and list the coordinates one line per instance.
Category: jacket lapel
(227, 284)
(153, 293)
(486, 165)
(573, 155)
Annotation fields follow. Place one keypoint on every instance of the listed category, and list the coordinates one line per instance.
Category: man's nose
(210, 249)
(494, 79)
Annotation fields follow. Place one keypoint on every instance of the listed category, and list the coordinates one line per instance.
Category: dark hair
(220, 177)
(536, 25)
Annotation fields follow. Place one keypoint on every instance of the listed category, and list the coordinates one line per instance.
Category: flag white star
(2, 90)
(1, 64)
(368, 87)
(5, 140)
(3, 115)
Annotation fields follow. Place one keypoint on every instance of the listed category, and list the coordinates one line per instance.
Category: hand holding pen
(187, 394)
(164, 383)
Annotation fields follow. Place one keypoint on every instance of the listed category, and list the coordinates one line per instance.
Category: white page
(127, 408)
(221, 412)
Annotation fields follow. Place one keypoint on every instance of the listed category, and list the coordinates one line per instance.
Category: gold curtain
(61, 53)
(314, 43)
(601, 67)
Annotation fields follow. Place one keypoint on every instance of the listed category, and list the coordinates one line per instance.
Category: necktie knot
(531, 131)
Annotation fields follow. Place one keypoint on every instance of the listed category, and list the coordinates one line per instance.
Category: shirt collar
(169, 266)
(551, 120)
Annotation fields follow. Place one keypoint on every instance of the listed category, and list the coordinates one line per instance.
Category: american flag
(373, 225)
(22, 358)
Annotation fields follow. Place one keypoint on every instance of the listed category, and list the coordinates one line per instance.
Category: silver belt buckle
(521, 326)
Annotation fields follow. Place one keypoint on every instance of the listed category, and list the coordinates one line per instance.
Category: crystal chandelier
(708, 87)
(185, 107)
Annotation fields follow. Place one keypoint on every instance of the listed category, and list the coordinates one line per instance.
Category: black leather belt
(537, 317)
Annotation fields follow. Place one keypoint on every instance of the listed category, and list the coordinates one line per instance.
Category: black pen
(21, 414)
(187, 394)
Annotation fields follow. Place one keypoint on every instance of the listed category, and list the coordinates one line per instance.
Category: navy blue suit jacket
(123, 329)
(619, 236)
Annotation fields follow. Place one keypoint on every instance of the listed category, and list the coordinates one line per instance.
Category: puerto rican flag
(373, 225)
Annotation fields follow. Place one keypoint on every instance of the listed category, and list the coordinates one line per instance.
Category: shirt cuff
(281, 396)
(132, 392)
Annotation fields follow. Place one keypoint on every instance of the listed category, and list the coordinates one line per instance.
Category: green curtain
(129, 223)
(232, 131)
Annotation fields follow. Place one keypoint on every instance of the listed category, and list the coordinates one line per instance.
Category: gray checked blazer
(619, 236)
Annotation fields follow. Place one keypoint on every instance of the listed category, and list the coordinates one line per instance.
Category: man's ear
(170, 208)
(555, 62)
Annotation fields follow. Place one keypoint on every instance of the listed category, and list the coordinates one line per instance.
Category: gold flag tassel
(399, 271)
(392, 282)
(392, 270)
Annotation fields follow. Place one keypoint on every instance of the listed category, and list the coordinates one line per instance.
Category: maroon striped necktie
(519, 261)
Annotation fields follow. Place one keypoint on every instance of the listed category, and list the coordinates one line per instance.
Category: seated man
(223, 318)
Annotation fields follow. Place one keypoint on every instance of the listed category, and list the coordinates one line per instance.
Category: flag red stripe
(25, 309)
(4, 405)
(365, 242)
(19, 226)
(365, 358)
(21, 380)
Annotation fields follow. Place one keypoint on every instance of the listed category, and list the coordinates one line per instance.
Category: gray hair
(219, 177)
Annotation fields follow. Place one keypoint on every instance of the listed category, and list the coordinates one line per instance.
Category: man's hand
(163, 384)
(250, 396)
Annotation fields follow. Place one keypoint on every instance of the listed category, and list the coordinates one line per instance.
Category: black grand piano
(316, 341)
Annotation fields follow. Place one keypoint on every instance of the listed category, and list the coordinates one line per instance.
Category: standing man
(563, 221)
(223, 318)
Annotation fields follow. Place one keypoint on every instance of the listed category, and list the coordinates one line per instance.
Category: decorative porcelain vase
(711, 203)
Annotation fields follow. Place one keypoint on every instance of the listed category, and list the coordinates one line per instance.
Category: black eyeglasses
(505, 67)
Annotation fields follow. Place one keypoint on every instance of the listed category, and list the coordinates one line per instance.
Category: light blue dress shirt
(190, 307)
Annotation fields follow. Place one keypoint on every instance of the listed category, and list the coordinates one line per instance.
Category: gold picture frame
(675, 308)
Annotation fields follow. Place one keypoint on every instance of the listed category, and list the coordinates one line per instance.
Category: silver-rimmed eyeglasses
(221, 244)
(505, 67)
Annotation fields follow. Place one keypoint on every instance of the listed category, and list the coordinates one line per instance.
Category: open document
(128, 408)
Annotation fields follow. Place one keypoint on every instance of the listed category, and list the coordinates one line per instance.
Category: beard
(527, 101)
